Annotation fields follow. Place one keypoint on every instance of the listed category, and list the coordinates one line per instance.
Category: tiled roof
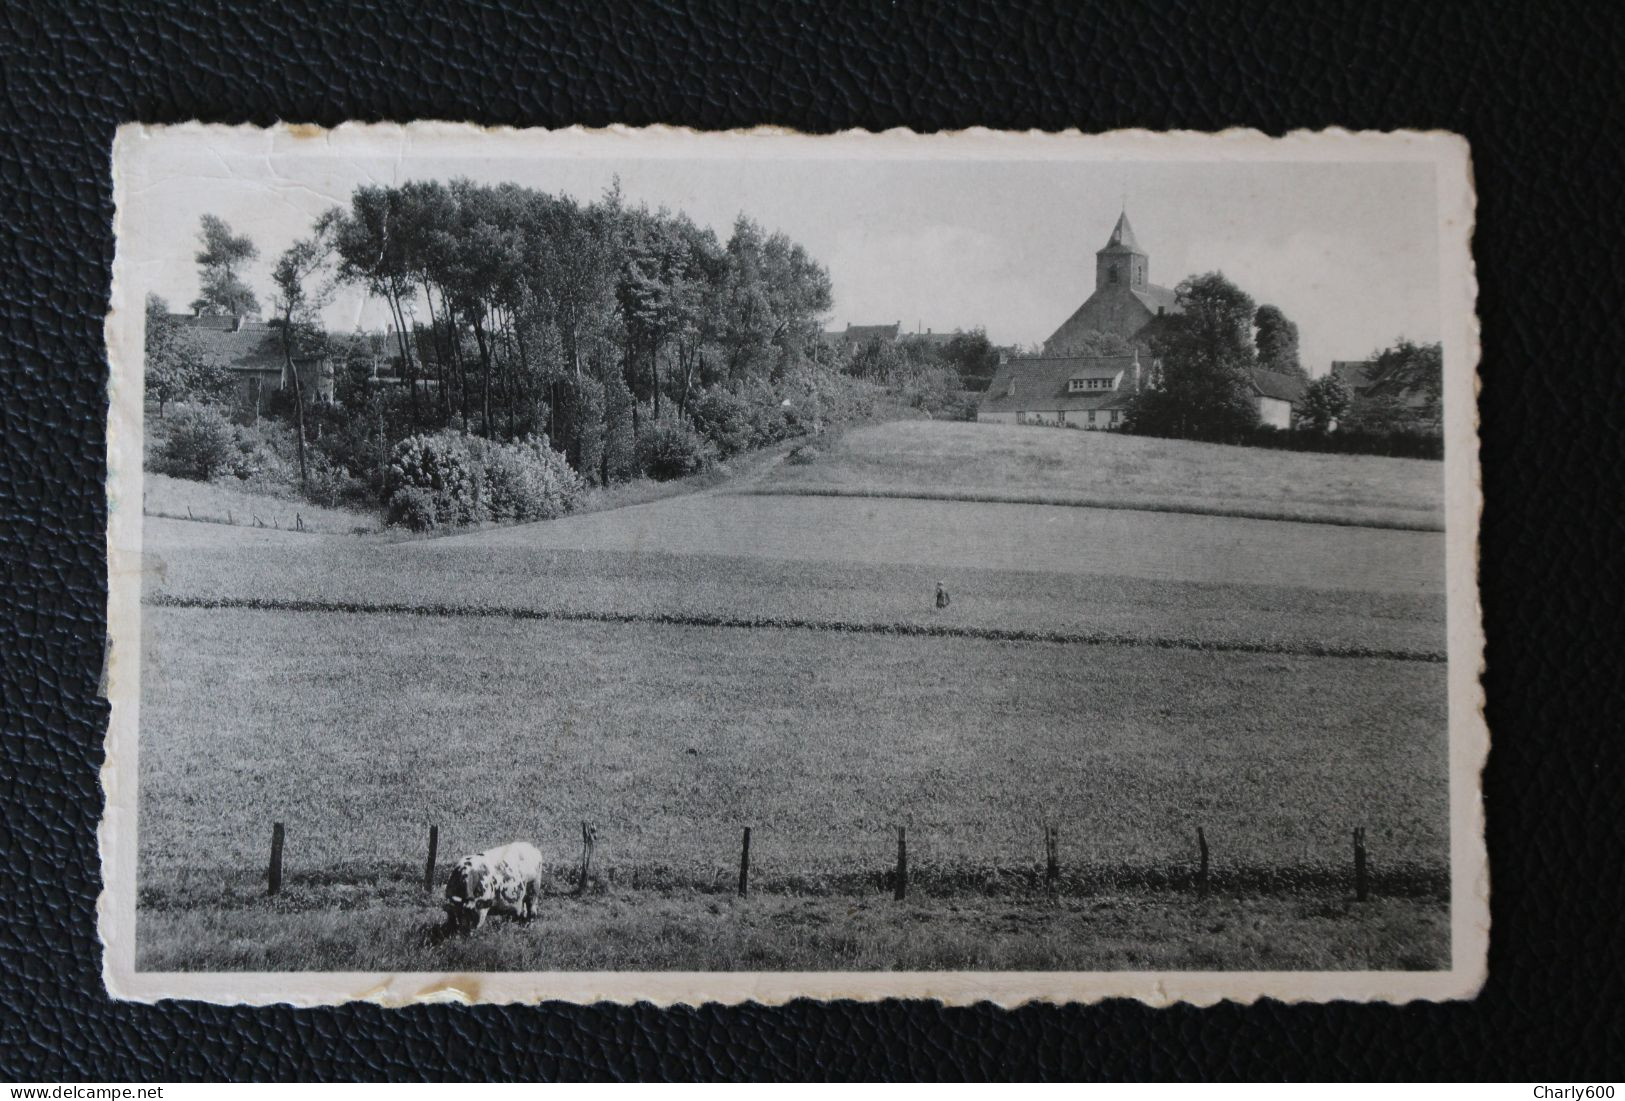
(255, 347)
(1273, 384)
(1041, 384)
(1368, 381)
(935, 340)
(862, 334)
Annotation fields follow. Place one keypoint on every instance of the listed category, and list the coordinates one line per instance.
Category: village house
(1278, 396)
(1089, 392)
(252, 352)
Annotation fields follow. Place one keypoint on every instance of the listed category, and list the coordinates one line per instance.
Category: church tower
(1121, 263)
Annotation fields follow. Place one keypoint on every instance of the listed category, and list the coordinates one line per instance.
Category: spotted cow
(504, 880)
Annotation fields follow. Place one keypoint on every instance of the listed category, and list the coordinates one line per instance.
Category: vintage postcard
(675, 566)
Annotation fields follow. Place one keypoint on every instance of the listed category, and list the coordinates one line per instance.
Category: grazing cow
(942, 597)
(504, 880)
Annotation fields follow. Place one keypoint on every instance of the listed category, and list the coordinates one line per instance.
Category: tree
(974, 357)
(298, 302)
(1326, 402)
(1276, 340)
(1406, 389)
(774, 296)
(375, 243)
(176, 368)
(220, 262)
(1204, 352)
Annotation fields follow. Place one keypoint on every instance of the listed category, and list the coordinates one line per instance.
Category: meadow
(994, 462)
(676, 670)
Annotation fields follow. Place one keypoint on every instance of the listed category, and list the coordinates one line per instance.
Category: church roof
(1041, 384)
(1122, 238)
(1157, 299)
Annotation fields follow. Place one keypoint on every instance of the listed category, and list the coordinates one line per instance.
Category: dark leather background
(1535, 87)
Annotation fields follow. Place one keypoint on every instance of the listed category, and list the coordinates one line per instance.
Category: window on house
(1091, 416)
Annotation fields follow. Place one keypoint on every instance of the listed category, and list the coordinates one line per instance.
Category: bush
(442, 465)
(447, 480)
(266, 455)
(413, 508)
(724, 418)
(528, 480)
(329, 483)
(670, 449)
(199, 444)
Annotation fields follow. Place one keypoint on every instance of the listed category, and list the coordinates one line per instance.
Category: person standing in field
(942, 597)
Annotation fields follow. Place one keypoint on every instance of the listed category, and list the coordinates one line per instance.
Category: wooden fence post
(1052, 858)
(1201, 874)
(902, 866)
(1359, 864)
(428, 865)
(274, 874)
(744, 864)
(589, 834)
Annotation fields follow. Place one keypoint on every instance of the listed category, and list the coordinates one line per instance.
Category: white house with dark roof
(1278, 395)
(1089, 392)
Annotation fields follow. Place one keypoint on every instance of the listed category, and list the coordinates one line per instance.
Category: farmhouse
(1089, 392)
(252, 352)
(1277, 396)
(1125, 302)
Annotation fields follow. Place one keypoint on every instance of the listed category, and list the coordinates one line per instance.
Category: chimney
(1136, 368)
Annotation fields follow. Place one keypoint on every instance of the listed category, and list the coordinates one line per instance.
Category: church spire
(1123, 235)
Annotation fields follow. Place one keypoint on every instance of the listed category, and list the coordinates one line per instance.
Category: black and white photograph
(654, 564)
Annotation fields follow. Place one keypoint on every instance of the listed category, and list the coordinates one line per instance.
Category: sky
(1348, 250)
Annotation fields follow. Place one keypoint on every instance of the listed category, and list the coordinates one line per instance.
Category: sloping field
(705, 588)
(183, 499)
(994, 461)
(1032, 538)
(675, 671)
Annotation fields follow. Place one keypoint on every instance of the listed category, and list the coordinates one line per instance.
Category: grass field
(182, 499)
(393, 928)
(994, 461)
(356, 730)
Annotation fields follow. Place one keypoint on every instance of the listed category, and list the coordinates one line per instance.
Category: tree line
(1204, 356)
(633, 340)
